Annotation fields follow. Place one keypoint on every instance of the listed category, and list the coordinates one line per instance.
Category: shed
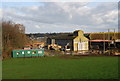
(28, 53)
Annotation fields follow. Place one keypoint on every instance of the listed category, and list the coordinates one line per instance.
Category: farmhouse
(75, 42)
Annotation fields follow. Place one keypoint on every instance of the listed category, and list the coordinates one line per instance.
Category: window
(17, 53)
(80, 40)
(28, 52)
(23, 52)
(68, 47)
(33, 52)
(39, 51)
(53, 41)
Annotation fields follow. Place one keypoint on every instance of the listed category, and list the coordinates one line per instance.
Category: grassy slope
(59, 68)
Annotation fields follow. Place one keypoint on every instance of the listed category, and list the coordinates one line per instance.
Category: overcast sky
(39, 17)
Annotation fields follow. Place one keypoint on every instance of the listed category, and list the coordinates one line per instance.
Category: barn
(75, 41)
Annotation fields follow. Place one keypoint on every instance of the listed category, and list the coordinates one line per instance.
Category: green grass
(61, 68)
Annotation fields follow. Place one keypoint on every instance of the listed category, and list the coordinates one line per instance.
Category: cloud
(1, 13)
(64, 16)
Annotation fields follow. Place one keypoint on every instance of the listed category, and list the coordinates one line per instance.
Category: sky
(49, 17)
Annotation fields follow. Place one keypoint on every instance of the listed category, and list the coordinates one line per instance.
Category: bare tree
(12, 37)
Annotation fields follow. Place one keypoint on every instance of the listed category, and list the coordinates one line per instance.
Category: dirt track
(82, 56)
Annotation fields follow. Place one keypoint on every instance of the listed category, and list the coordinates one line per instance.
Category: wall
(80, 42)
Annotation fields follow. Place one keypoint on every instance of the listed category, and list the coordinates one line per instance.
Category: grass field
(61, 67)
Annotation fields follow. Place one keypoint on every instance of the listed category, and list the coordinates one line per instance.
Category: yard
(61, 67)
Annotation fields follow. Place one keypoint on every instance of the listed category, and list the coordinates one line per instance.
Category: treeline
(12, 38)
(45, 34)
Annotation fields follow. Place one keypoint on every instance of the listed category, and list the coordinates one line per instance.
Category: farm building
(104, 41)
(105, 36)
(117, 43)
(100, 44)
(75, 42)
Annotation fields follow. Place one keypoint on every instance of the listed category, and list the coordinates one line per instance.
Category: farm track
(81, 56)
(69, 56)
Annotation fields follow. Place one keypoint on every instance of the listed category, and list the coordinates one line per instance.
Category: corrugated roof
(100, 40)
(63, 37)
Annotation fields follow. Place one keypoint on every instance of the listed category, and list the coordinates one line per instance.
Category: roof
(25, 49)
(78, 30)
(39, 43)
(67, 37)
(27, 45)
(100, 40)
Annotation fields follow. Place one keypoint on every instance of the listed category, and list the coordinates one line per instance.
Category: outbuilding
(28, 53)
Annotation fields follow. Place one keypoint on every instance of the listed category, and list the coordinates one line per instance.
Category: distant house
(39, 40)
(27, 47)
(76, 41)
(20, 27)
